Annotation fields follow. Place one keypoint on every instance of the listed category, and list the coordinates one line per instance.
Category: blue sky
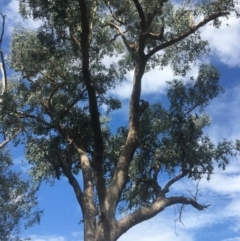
(221, 221)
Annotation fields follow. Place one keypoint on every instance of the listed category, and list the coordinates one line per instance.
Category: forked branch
(191, 30)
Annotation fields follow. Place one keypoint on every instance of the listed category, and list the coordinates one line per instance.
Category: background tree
(64, 83)
(18, 199)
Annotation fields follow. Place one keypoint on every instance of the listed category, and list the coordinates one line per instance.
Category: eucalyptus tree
(64, 84)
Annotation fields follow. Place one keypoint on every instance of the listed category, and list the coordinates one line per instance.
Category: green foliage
(17, 200)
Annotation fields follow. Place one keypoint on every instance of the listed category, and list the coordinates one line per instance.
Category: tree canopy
(60, 102)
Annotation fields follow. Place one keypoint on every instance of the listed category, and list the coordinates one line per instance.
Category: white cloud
(232, 239)
(14, 19)
(236, 226)
(123, 90)
(233, 208)
(224, 42)
(160, 228)
(47, 238)
(153, 82)
(225, 115)
(77, 234)
(222, 183)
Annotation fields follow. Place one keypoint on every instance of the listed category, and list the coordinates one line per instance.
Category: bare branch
(179, 219)
(120, 176)
(184, 200)
(175, 179)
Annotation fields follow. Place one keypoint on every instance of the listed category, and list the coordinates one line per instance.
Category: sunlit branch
(4, 143)
(128, 45)
(155, 36)
(9, 139)
(186, 34)
(120, 21)
(74, 39)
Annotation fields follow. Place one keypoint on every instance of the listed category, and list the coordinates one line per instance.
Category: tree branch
(154, 36)
(26, 115)
(74, 39)
(130, 47)
(142, 215)
(120, 176)
(73, 182)
(53, 93)
(141, 14)
(9, 139)
(86, 199)
(93, 105)
(120, 21)
(158, 206)
(188, 201)
(4, 143)
(186, 34)
(172, 181)
(67, 108)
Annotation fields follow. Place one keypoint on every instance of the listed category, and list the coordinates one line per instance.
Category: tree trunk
(106, 229)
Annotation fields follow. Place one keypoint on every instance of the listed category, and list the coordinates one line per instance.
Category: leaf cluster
(17, 200)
